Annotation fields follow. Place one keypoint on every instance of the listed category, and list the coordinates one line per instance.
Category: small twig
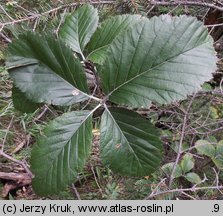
(192, 189)
(217, 178)
(16, 177)
(221, 86)
(191, 197)
(218, 2)
(74, 189)
(95, 178)
(18, 162)
(6, 13)
(214, 25)
(209, 124)
(181, 141)
(35, 24)
(89, 101)
(22, 8)
(6, 133)
(22, 144)
(2, 25)
(41, 114)
(170, 12)
(5, 37)
(211, 131)
(61, 21)
(157, 187)
(150, 10)
(188, 3)
(135, 6)
(51, 110)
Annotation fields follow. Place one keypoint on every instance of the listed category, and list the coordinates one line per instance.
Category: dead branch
(181, 141)
(16, 180)
(11, 167)
(18, 162)
(74, 189)
(152, 3)
(192, 189)
(8, 40)
(17, 177)
(35, 16)
(21, 144)
(7, 131)
(185, 3)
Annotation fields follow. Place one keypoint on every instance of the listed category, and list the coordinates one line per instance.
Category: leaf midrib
(25, 65)
(154, 67)
(128, 143)
(62, 149)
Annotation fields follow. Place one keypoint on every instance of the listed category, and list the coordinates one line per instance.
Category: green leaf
(214, 113)
(218, 158)
(161, 60)
(168, 168)
(193, 178)
(46, 71)
(51, 53)
(41, 85)
(219, 148)
(79, 27)
(175, 147)
(220, 142)
(205, 148)
(212, 139)
(62, 152)
(207, 87)
(106, 33)
(187, 163)
(218, 161)
(129, 144)
(22, 103)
